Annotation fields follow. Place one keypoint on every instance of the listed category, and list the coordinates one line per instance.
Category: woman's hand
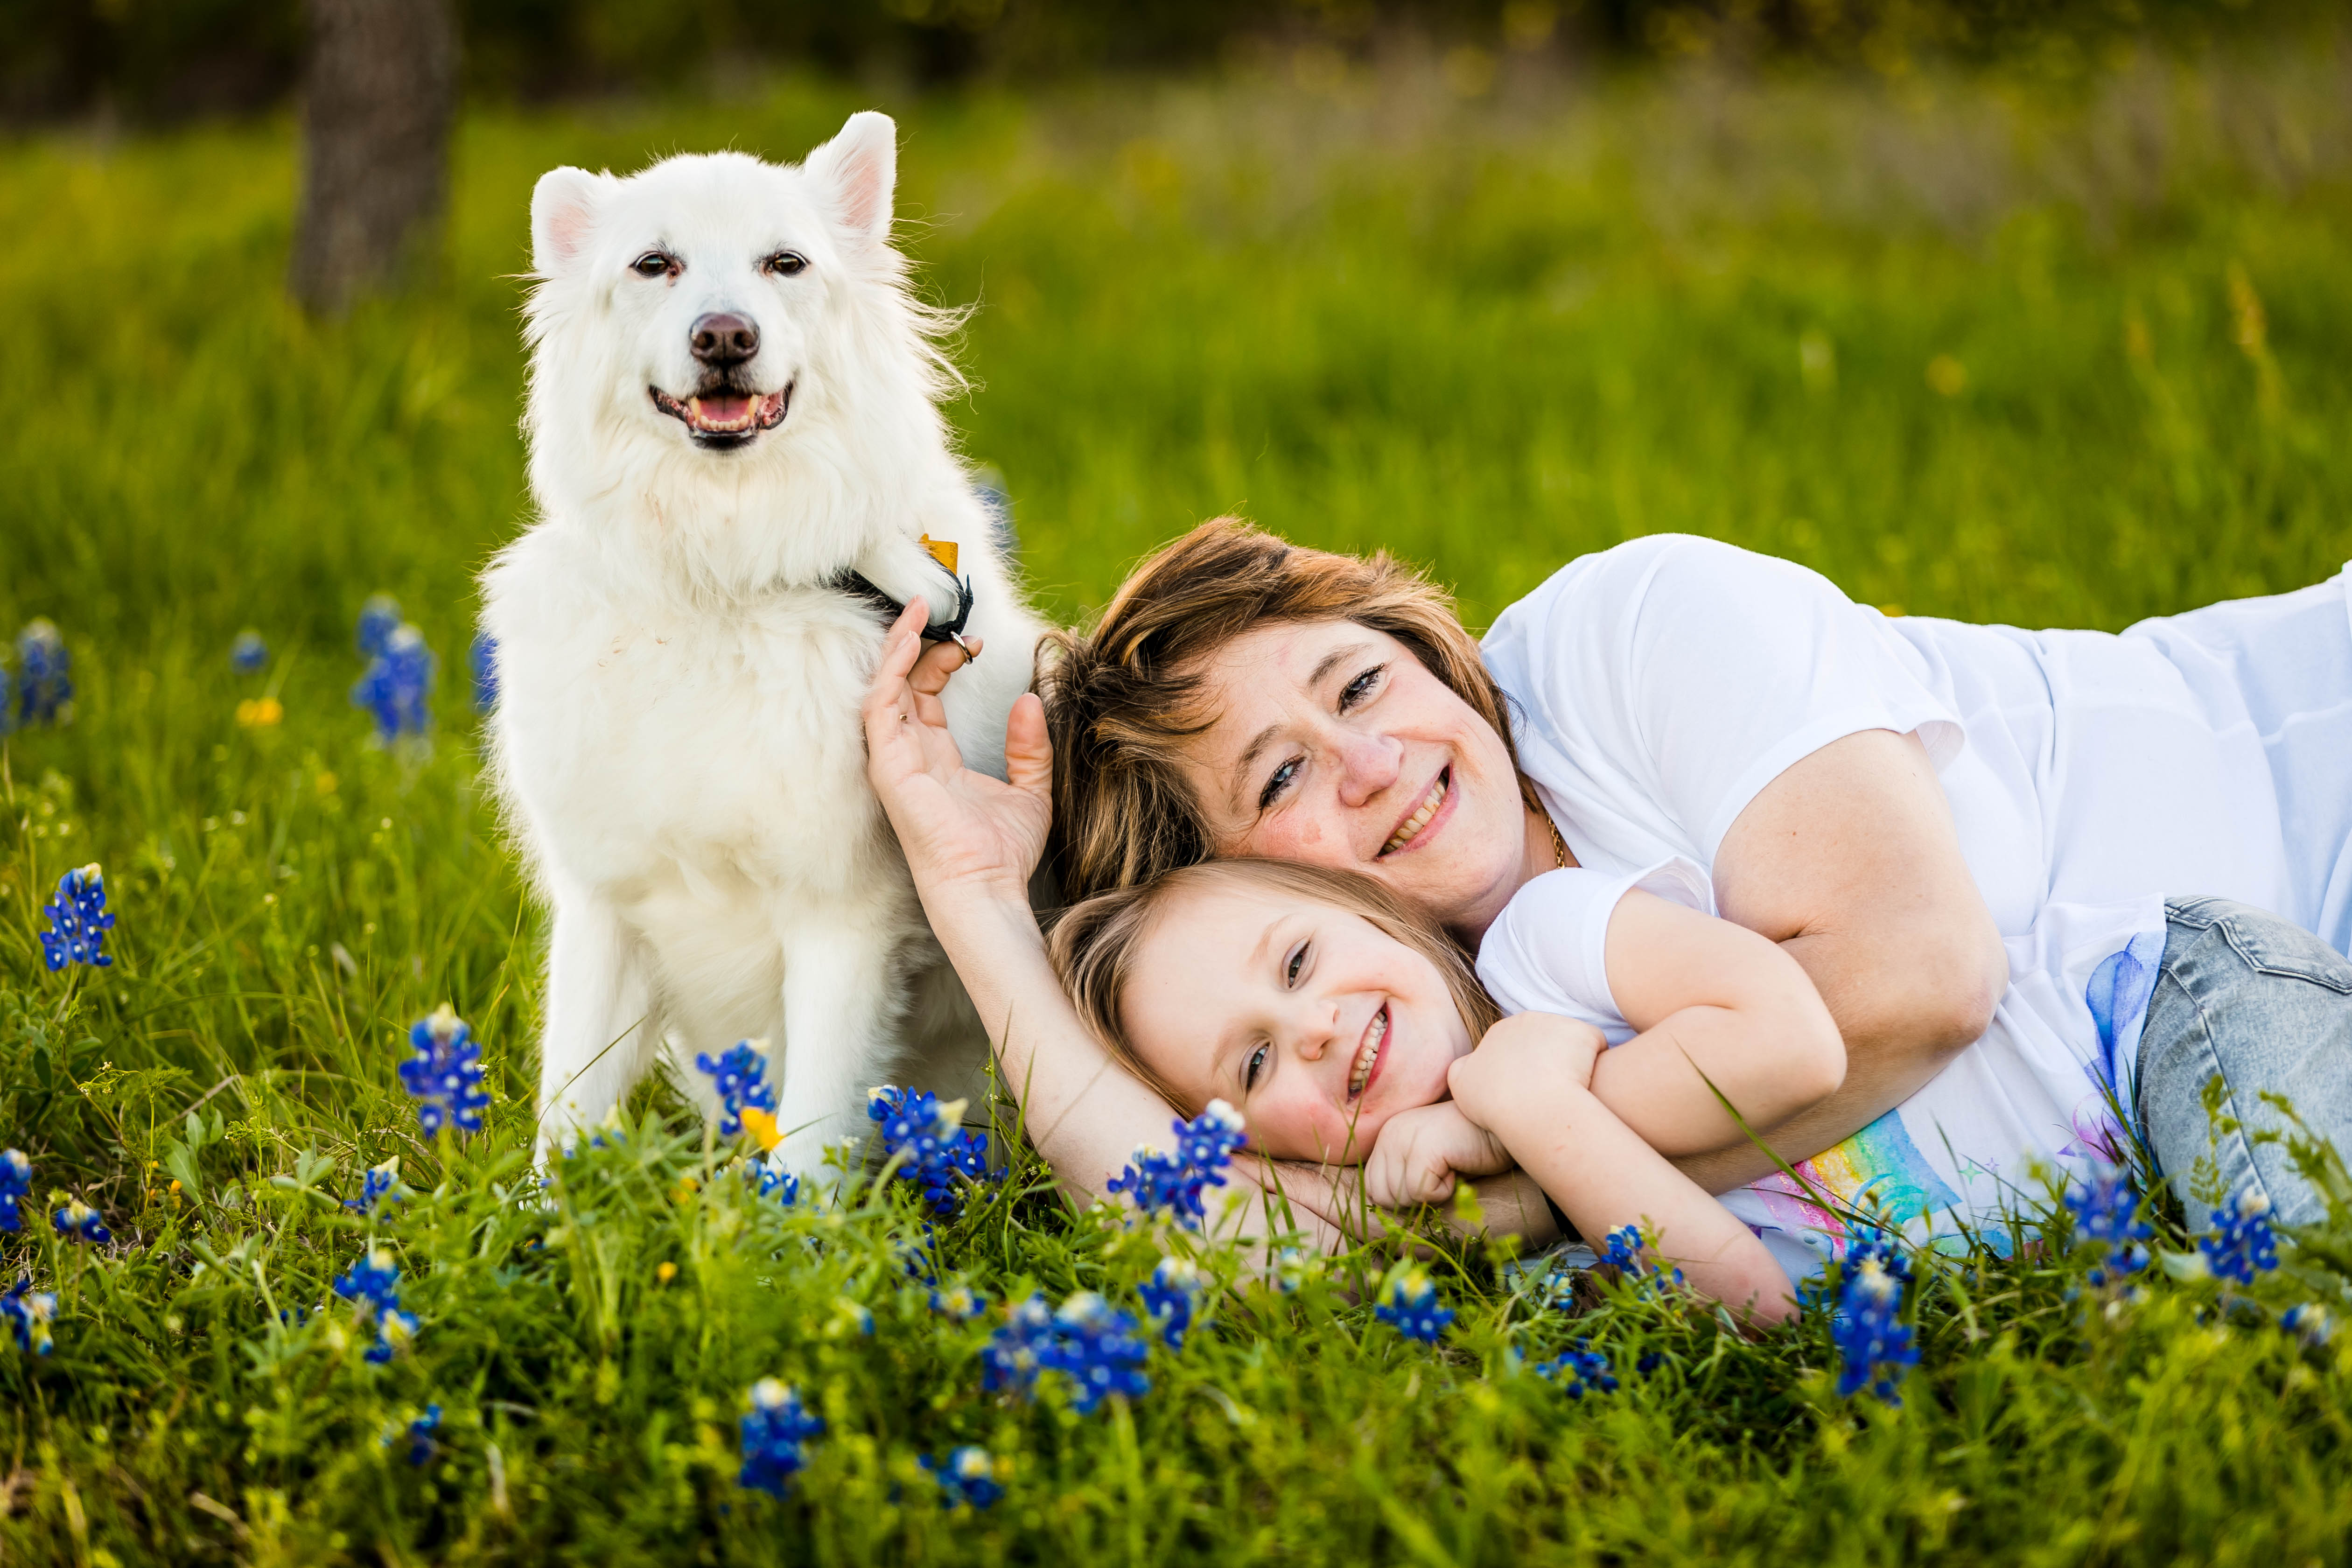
(960, 830)
(1420, 1152)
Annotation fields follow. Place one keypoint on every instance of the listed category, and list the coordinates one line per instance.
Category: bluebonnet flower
(1580, 1370)
(933, 1150)
(83, 1223)
(969, 1477)
(372, 1284)
(379, 618)
(16, 1183)
(2243, 1246)
(1096, 1346)
(1876, 1243)
(482, 660)
(421, 1444)
(445, 1076)
(1409, 1304)
(2106, 1210)
(1175, 1183)
(1626, 1251)
(1016, 1353)
(79, 920)
(2309, 1319)
(394, 688)
(736, 1074)
(44, 688)
(29, 1313)
(376, 1186)
(851, 1319)
(1876, 1347)
(775, 1434)
(770, 1180)
(1168, 1297)
(248, 653)
(959, 1302)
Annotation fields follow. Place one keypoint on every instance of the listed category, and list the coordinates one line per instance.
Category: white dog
(732, 411)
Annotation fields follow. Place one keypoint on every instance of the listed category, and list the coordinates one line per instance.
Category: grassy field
(1969, 349)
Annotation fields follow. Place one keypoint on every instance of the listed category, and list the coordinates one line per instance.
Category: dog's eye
(786, 263)
(654, 264)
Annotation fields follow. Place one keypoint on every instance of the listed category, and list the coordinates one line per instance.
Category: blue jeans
(2266, 1006)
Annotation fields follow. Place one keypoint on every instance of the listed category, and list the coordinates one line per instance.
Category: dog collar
(857, 585)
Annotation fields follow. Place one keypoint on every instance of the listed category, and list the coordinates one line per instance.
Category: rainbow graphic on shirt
(1879, 1167)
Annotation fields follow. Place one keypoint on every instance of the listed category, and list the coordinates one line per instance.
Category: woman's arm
(971, 842)
(1717, 1005)
(1524, 1086)
(1850, 861)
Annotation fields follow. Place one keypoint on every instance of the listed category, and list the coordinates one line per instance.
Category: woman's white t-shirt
(2038, 1093)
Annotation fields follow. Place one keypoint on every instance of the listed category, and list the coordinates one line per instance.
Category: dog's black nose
(721, 338)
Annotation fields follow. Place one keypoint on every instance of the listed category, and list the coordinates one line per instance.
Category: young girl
(1351, 1032)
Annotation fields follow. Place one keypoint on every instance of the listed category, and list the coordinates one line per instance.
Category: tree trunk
(378, 94)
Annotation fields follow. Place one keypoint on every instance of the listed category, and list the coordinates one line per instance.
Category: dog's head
(693, 305)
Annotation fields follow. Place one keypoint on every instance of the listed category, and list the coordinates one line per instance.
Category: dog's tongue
(723, 409)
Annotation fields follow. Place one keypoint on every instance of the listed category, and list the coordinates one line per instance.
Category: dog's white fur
(676, 739)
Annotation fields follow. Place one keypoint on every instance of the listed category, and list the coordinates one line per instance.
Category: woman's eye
(1361, 686)
(652, 264)
(1249, 1073)
(1274, 784)
(1297, 962)
(786, 264)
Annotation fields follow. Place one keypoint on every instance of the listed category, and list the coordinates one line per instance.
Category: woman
(1887, 799)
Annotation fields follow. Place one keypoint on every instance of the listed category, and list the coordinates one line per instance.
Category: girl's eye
(786, 263)
(1297, 962)
(1274, 784)
(1360, 688)
(1249, 1073)
(652, 264)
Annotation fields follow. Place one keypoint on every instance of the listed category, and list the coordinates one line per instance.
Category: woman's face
(1316, 1023)
(1334, 745)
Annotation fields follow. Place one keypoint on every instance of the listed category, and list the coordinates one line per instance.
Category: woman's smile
(1427, 818)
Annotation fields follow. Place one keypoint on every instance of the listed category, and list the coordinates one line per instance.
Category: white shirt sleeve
(1548, 951)
(1679, 675)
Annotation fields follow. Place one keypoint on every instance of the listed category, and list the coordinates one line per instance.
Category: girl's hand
(1520, 1060)
(1420, 1152)
(960, 830)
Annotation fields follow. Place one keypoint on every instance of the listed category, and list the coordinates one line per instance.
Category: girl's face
(1319, 1025)
(1334, 745)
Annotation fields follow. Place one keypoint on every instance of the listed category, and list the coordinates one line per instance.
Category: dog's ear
(562, 213)
(859, 169)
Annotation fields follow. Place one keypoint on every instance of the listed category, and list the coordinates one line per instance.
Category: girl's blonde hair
(1122, 699)
(1094, 943)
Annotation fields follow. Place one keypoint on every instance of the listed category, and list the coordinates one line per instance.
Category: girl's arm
(971, 842)
(1715, 999)
(1524, 1085)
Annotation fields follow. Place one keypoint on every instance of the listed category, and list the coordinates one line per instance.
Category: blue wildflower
(775, 1434)
(44, 689)
(1876, 1348)
(1095, 1345)
(959, 1302)
(1176, 1182)
(29, 1313)
(79, 920)
(2309, 1319)
(2106, 1212)
(1168, 1297)
(932, 1150)
(1409, 1304)
(248, 653)
(16, 1183)
(445, 1076)
(482, 660)
(968, 1478)
(1627, 1251)
(394, 1329)
(1580, 1370)
(2243, 1244)
(372, 1284)
(376, 1186)
(421, 1444)
(379, 618)
(1015, 1353)
(770, 1180)
(394, 688)
(83, 1223)
(736, 1074)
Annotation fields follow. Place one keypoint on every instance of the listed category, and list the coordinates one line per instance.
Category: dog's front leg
(839, 996)
(598, 1036)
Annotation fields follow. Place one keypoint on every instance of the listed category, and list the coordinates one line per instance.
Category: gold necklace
(1558, 845)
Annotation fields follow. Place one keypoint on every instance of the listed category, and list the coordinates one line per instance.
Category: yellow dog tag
(943, 550)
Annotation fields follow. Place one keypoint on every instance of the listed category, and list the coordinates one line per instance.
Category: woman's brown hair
(1094, 943)
(1122, 699)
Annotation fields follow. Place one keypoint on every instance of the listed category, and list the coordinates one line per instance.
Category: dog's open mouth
(723, 417)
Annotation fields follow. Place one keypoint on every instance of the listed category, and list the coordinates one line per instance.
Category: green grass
(1490, 336)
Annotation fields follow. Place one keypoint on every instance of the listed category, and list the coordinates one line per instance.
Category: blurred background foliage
(163, 61)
